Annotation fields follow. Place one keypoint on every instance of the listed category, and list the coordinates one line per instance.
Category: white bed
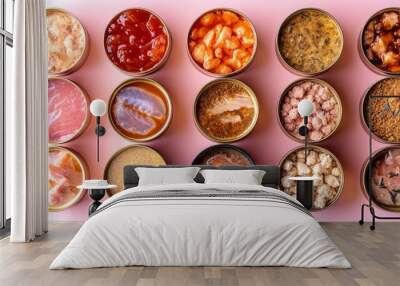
(224, 225)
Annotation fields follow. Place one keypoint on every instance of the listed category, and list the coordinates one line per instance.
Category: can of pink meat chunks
(325, 118)
(385, 178)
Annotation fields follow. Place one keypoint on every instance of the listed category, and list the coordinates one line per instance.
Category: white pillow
(247, 177)
(164, 176)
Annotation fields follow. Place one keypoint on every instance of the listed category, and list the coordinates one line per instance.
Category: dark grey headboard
(271, 177)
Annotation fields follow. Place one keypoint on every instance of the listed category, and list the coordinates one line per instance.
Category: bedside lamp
(98, 108)
(305, 108)
(304, 184)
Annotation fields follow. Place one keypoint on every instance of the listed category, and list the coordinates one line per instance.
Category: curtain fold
(26, 119)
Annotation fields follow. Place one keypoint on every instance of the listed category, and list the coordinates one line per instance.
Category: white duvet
(200, 231)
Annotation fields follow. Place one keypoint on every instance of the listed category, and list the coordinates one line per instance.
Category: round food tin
(385, 112)
(226, 110)
(298, 30)
(321, 163)
(223, 155)
(67, 42)
(222, 42)
(140, 109)
(67, 170)
(374, 45)
(133, 50)
(385, 178)
(68, 110)
(130, 155)
(324, 120)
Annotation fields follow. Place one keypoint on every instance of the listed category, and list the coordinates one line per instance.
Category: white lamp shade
(98, 107)
(305, 107)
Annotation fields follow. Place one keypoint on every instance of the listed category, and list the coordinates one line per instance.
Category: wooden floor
(375, 257)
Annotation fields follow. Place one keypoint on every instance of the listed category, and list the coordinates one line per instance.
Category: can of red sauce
(137, 41)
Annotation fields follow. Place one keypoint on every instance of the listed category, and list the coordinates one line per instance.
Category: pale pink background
(267, 144)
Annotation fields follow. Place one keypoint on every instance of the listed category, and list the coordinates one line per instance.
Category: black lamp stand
(304, 192)
(100, 131)
(369, 187)
(303, 131)
(96, 195)
(304, 188)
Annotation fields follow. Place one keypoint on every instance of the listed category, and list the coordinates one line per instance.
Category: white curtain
(26, 123)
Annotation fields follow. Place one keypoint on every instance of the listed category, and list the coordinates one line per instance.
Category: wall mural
(220, 43)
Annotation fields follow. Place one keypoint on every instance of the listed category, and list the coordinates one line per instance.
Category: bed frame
(271, 177)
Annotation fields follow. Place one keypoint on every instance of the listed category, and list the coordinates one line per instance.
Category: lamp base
(304, 193)
(96, 195)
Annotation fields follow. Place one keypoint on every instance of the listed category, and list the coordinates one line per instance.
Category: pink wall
(267, 143)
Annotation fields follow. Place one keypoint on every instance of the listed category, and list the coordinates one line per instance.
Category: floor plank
(375, 257)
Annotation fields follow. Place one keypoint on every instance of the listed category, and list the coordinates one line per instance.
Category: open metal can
(223, 155)
(309, 42)
(129, 155)
(382, 62)
(68, 110)
(384, 111)
(384, 178)
(135, 51)
(140, 109)
(323, 122)
(321, 163)
(68, 42)
(231, 47)
(63, 190)
(225, 110)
